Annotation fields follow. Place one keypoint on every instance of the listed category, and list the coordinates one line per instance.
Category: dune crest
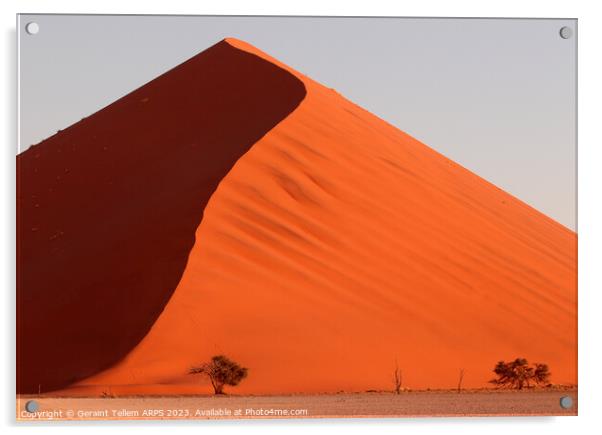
(337, 245)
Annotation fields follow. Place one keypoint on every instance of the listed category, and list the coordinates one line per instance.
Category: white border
(589, 223)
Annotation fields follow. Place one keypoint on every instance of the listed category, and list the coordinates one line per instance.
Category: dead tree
(460, 380)
(397, 378)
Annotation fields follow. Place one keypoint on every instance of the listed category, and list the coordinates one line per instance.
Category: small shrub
(221, 371)
(519, 374)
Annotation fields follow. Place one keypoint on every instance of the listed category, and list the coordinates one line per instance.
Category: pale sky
(495, 95)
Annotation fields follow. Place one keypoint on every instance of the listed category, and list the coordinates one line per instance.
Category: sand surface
(338, 245)
(408, 404)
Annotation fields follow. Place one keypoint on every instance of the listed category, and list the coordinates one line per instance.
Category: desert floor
(383, 404)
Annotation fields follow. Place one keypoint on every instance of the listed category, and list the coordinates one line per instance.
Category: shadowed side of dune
(108, 208)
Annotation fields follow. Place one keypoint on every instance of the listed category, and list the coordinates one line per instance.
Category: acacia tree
(518, 374)
(221, 371)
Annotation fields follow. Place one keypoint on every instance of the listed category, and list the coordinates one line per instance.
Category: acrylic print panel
(305, 217)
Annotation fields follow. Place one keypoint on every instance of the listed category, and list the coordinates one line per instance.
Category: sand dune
(338, 244)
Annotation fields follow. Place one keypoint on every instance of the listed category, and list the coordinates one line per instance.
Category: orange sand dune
(337, 245)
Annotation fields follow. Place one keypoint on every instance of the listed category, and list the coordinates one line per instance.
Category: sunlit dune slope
(339, 245)
(108, 208)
